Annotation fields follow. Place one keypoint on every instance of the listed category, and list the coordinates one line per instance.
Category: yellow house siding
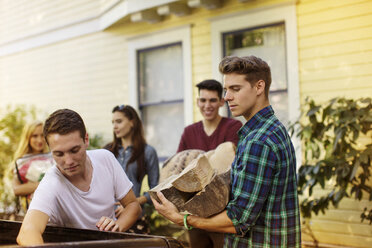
(201, 57)
(355, 229)
(314, 11)
(342, 222)
(335, 59)
(340, 239)
(335, 47)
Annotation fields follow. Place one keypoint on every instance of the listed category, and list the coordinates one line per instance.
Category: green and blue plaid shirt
(263, 202)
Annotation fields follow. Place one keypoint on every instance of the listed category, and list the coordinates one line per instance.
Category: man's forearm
(129, 216)
(29, 237)
(217, 223)
(32, 228)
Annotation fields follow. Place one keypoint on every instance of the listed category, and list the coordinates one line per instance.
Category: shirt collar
(121, 148)
(257, 118)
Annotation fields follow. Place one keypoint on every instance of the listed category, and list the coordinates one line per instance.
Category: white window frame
(179, 34)
(257, 18)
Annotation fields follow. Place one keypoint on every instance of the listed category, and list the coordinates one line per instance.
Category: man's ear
(260, 87)
(198, 101)
(86, 139)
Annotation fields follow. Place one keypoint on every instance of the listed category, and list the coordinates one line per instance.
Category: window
(160, 86)
(161, 95)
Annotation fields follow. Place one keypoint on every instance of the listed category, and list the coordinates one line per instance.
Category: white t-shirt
(68, 206)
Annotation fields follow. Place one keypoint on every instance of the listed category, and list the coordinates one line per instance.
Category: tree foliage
(96, 141)
(337, 143)
(13, 118)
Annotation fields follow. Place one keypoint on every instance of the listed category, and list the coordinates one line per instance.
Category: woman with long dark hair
(135, 156)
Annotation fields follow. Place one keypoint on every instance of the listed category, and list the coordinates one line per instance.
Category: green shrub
(330, 136)
(96, 141)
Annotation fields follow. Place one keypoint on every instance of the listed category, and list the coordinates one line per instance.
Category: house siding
(335, 48)
(85, 74)
(22, 17)
(335, 60)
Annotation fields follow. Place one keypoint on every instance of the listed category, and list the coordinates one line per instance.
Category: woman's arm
(142, 199)
(23, 189)
(119, 209)
(152, 168)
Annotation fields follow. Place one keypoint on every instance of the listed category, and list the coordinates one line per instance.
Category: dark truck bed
(73, 237)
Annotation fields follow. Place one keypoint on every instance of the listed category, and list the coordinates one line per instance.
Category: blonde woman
(32, 143)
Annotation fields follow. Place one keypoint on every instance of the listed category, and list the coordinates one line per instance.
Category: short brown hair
(252, 67)
(212, 85)
(64, 121)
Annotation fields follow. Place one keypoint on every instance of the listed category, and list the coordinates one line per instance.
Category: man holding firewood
(263, 209)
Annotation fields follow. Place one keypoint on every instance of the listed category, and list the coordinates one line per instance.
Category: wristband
(185, 222)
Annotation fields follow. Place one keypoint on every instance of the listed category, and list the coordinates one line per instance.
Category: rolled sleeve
(251, 179)
(241, 229)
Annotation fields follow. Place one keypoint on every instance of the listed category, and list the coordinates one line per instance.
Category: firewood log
(195, 176)
(177, 163)
(202, 188)
(211, 200)
(178, 198)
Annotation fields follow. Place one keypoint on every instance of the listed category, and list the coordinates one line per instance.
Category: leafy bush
(96, 141)
(337, 144)
(13, 118)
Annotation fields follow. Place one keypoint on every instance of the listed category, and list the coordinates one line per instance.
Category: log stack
(202, 187)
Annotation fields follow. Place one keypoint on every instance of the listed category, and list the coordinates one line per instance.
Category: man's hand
(217, 223)
(127, 212)
(107, 224)
(167, 209)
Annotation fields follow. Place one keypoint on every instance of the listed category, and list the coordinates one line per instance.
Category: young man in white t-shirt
(81, 189)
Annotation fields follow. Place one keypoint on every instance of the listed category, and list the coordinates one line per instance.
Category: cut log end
(201, 185)
(195, 176)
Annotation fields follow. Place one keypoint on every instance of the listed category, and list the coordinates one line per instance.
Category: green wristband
(185, 222)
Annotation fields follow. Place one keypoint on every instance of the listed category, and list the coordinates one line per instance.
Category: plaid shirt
(263, 202)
